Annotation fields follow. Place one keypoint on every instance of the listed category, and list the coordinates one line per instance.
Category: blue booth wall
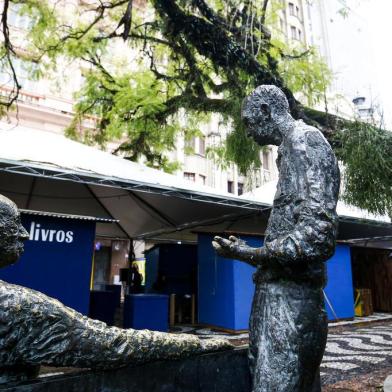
(57, 259)
(226, 287)
(176, 263)
(339, 289)
(152, 266)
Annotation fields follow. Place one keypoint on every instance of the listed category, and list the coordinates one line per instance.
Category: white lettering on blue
(37, 233)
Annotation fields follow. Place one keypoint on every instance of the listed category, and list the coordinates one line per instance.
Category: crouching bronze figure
(38, 330)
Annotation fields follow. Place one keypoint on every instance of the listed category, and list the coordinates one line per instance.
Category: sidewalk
(358, 355)
(216, 333)
(362, 320)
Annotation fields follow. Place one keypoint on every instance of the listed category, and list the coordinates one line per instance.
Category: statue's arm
(52, 334)
(314, 234)
(235, 248)
(312, 239)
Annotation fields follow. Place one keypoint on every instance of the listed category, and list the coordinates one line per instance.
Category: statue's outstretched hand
(234, 248)
(227, 248)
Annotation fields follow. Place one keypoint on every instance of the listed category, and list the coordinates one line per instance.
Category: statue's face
(12, 233)
(260, 125)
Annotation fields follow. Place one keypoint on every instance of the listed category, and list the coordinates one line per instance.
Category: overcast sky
(357, 49)
(377, 15)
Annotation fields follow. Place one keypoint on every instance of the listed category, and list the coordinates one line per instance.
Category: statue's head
(263, 111)
(12, 233)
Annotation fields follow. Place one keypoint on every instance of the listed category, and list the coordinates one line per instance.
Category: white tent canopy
(28, 145)
(355, 223)
(266, 193)
(43, 171)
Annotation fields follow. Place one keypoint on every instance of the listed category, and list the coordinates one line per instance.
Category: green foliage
(125, 108)
(133, 105)
(243, 150)
(366, 151)
(306, 74)
(237, 147)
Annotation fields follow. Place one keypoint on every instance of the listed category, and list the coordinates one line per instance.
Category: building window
(293, 32)
(202, 179)
(240, 188)
(23, 70)
(190, 176)
(297, 11)
(202, 145)
(265, 162)
(230, 186)
(299, 34)
(281, 21)
(258, 180)
(291, 9)
(190, 145)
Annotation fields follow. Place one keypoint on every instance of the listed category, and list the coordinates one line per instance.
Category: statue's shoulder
(14, 298)
(307, 137)
(309, 143)
(26, 308)
(19, 297)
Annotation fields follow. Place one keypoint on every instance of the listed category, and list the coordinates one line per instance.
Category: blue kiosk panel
(152, 268)
(226, 287)
(339, 290)
(146, 311)
(57, 259)
(172, 267)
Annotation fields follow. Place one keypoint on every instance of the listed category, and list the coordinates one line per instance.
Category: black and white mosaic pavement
(360, 320)
(348, 353)
(356, 352)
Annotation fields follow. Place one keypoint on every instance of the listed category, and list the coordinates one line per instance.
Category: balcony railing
(23, 96)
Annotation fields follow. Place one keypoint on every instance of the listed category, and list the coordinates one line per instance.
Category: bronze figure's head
(12, 233)
(263, 111)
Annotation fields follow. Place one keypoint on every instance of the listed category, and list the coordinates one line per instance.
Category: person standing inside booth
(135, 280)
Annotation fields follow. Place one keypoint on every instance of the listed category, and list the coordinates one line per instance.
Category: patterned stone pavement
(350, 353)
(378, 316)
(356, 352)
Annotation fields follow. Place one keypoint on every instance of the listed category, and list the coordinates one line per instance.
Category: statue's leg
(317, 383)
(288, 331)
(313, 337)
(256, 330)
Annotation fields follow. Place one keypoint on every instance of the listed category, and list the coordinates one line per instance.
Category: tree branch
(264, 12)
(214, 43)
(194, 103)
(9, 51)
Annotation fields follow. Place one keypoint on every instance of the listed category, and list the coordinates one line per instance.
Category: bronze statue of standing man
(288, 325)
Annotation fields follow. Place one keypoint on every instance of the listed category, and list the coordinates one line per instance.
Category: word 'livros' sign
(37, 233)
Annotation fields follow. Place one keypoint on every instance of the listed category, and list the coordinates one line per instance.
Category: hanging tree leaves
(189, 58)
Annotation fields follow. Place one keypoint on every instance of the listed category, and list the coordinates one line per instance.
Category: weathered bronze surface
(38, 330)
(288, 324)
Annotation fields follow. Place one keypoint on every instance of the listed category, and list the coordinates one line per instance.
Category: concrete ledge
(224, 371)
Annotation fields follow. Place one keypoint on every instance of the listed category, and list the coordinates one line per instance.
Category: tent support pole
(153, 209)
(30, 195)
(106, 210)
